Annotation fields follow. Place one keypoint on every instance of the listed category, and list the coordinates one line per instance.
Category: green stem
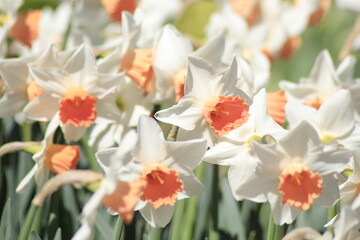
(271, 228)
(279, 232)
(90, 154)
(177, 220)
(331, 214)
(26, 132)
(25, 230)
(214, 234)
(36, 225)
(191, 211)
(155, 233)
(119, 228)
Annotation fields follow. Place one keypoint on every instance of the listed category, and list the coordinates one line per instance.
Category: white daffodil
(335, 127)
(295, 173)
(323, 81)
(19, 87)
(153, 14)
(171, 74)
(74, 93)
(235, 148)
(211, 107)
(346, 226)
(165, 166)
(56, 158)
(120, 197)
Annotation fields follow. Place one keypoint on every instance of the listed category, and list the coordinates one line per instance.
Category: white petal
(50, 80)
(111, 63)
(198, 75)
(223, 153)
(12, 104)
(83, 60)
(330, 192)
(104, 156)
(338, 122)
(41, 176)
(48, 59)
(283, 213)
(323, 72)
(186, 114)
(329, 162)
(187, 153)
(300, 140)
(150, 146)
(192, 185)
(26, 180)
(170, 44)
(42, 108)
(72, 133)
(159, 217)
(15, 73)
(246, 182)
(297, 112)
(213, 50)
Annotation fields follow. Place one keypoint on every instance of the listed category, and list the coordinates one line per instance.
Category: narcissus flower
(171, 75)
(235, 148)
(212, 105)
(324, 80)
(165, 166)
(335, 128)
(295, 173)
(19, 86)
(119, 196)
(75, 94)
(56, 158)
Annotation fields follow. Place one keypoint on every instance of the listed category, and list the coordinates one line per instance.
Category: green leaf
(35, 236)
(37, 4)
(195, 18)
(230, 218)
(58, 234)
(102, 223)
(6, 223)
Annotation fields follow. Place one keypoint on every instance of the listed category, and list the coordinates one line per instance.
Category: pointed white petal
(72, 133)
(83, 60)
(186, 114)
(199, 74)
(298, 141)
(341, 121)
(187, 153)
(159, 217)
(50, 79)
(26, 180)
(150, 146)
(42, 108)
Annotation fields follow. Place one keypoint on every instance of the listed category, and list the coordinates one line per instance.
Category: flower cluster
(109, 75)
